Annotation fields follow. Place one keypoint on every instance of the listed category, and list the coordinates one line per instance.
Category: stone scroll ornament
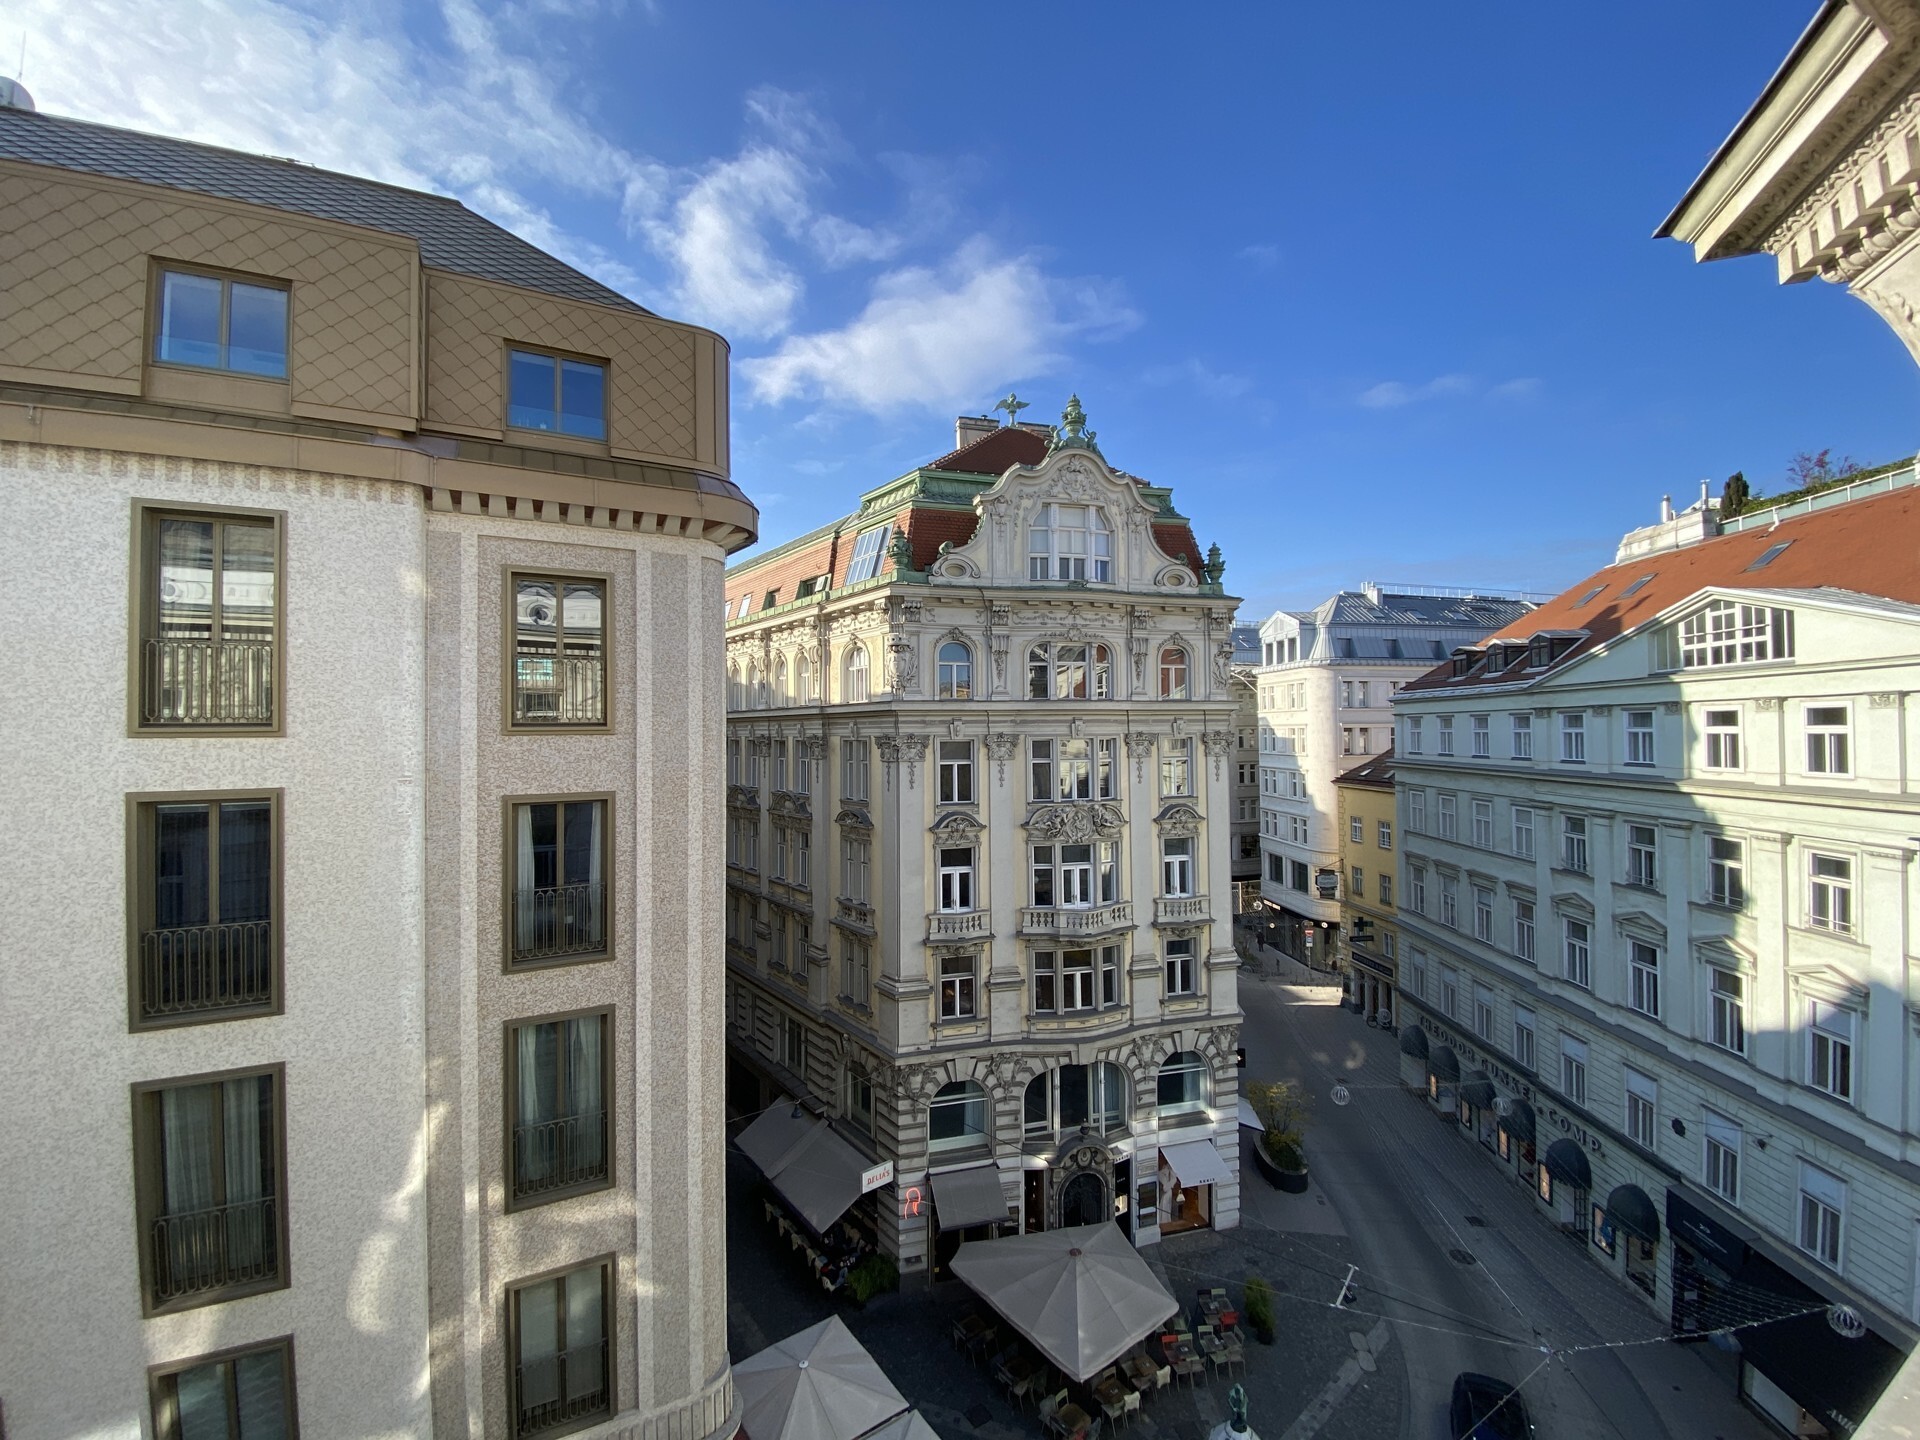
(1139, 750)
(1000, 748)
(1217, 744)
(905, 750)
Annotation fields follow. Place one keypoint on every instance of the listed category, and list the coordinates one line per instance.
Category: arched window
(803, 679)
(780, 695)
(1186, 1085)
(1069, 542)
(733, 687)
(854, 689)
(756, 688)
(1173, 673)
(1075, 1095)
(957, 1117)
(956, 671)
(1069, 672)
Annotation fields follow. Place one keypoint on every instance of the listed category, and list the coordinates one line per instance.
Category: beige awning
(964, 1198)
(1196, 1162)
(1083, 1295)
(910, 1426)
(816, 1171)
(820, 1384)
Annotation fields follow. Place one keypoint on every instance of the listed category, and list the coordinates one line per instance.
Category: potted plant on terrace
(1281, 1107)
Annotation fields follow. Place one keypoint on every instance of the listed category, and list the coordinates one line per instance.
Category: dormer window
(556, 393)
(1463, 662)
(868, 548)
(1069, 542)
(1724, 632)
(213, 323)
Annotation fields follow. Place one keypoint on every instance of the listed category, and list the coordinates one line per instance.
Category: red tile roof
(1869, 546)
(994, 454)
(1376, 770)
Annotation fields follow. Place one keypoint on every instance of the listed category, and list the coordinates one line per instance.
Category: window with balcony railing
(560, 1093)
(207, 632)
(558, 900)
(561, 1378)
(205, 906)
(209, 1177)
(558, 675)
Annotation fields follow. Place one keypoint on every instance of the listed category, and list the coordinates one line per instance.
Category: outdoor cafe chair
(1130, 1406)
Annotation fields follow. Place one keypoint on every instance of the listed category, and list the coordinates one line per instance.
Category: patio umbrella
(1083, 1295)
(820, 1384)
(910, 1426)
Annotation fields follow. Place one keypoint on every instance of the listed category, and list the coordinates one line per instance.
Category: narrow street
(1451, 1251)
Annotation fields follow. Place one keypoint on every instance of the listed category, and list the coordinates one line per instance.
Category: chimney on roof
(969, 428)
(1666, 508)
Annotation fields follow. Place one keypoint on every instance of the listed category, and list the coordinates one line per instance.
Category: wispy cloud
(1197, 374)
(941, 336)
(1392, 394)
(1261, 256)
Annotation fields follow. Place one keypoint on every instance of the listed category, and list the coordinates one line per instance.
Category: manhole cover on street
(1463, 1257)
(1476, 1222)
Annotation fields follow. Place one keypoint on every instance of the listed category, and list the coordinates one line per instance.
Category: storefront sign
(1567, 1125)
(874, 1176)
(910, 1202)
(1573, 1129)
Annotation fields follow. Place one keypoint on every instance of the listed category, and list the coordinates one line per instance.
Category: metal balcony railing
(207, 682)
(558, 1154)
(559, 1389)
(201, 1250)
(560, 690)
(1066, 921)
(559, 920)
(190, 969)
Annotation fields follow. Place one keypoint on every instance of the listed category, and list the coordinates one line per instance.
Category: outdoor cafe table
(1110, 1391)
(1184, 1359)
(1072, 1420)
(1142, 1372)
(1214, 1311)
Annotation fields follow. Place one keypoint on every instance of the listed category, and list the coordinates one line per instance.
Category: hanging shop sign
(874, 1176)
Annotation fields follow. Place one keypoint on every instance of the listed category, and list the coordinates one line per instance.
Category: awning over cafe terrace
(1444, 1065)
(815, 1171)
(1413, 1041)
(1630, 1209)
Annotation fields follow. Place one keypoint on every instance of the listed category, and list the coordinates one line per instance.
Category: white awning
(1247, 1118)
(969, 1197)
(1196, 1162)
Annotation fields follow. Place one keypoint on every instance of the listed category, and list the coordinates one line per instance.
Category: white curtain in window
(596, 891)
(247, 1226)
(586, 1101)
(525, 923)
(538, 1103)
(187, 1148)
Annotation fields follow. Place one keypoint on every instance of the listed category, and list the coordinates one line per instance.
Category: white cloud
(730, 276)
(1392, 394)
(1262, 256)
(940, 338)
(1214, 384)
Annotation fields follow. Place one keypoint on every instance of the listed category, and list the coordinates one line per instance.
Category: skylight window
(869, 547)
(1636, 586)
(1588, 596)
(1769, 555)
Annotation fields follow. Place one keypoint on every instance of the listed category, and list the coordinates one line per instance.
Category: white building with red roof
(981, 744)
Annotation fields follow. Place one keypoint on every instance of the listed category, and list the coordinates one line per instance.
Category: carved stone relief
(1077, 824)
(1139, 750)
(1000, 749)
(1219, 744)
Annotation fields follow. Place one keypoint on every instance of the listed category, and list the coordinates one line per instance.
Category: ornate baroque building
(981, 744)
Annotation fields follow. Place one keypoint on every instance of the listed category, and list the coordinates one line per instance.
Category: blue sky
(1372, 289)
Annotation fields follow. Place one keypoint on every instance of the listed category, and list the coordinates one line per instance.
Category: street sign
(875, 1176)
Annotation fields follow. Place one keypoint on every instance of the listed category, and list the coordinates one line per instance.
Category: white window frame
(1176, 766)
(1832, 1036)
(1483, 913)
(1820, 1230)
(1523, 929)
(1723, 632)
(959, 987)
(956, 872)
(1727, 1010)
(1573, 1069)
(1444, 745)
(1482, 822)
(1721, 746)
(1522, 736)
(1573, 737)
(1447, 815)
(1416, 735)
(1829, 743)
(1356, 830)
(1180, 958)
(1639, 737)
(1525, 1047)
(1177, 873)
(1523, 825)
(1721, 1146)
(1574, 853)
(1383, 835)
(953, 674)
(956, 778)
(1480, 736)
(1417, 811)
(1087, 556)
(1643, 978)
(869, 550)
(1830, 892)
(1643, 855)
(1483, 1011)
(1642, 1107)
(1726, 872)
(1450, 902)
(1576, 952)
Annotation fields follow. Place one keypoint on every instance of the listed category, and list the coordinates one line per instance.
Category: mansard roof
(1866, 546)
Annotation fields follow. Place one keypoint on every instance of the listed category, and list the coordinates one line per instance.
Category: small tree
(1260, 1308)
(1281, 1107)
(1734, 495)
(1807, 470)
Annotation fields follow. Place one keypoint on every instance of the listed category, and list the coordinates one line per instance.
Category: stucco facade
(962, 654)
(1658, 935)
(362, 1235)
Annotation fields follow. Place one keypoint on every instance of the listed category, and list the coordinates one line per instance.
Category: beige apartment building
(364, 984)
(981, 742)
